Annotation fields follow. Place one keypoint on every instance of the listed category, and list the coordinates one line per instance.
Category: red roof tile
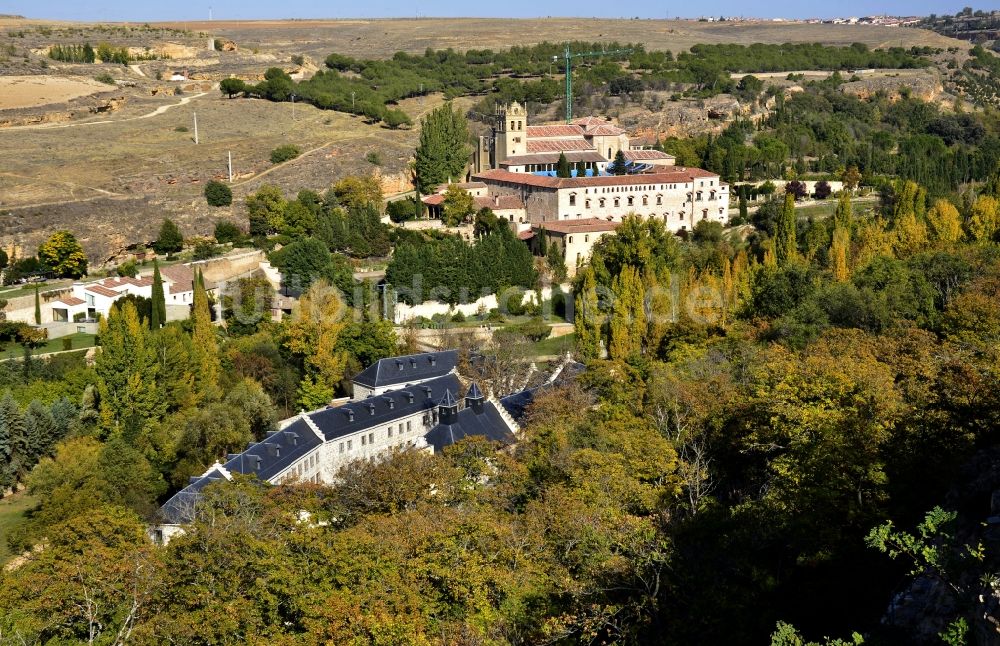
(433, 200)
(181, 276)
(72, 301)
(589, 225)
(499, 202)
(103, 291)
(554, 131)
(557, 145)
(672, 174)
(551, 158)
(527, 234)
(645, 155)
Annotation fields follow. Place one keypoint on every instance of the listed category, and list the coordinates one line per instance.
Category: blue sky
(130, 10)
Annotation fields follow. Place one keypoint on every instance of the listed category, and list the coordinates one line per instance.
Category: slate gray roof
(382, 409)
(276, 452)
(489, 423)
(408, 369)
(181, 506)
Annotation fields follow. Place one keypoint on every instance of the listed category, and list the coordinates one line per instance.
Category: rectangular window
(341, 447)
(407, 425)
(371, 438)
(389, 432)
(364, 440)
(349, 445)
(400, 427)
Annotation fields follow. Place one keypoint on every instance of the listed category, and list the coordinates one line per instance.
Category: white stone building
(680, 197)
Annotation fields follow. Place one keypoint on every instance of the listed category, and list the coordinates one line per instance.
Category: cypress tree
(204, 350)
(587, 318)
(581, 169)
(159, 316)
(38, 307)
(563, 167)
(786, 244)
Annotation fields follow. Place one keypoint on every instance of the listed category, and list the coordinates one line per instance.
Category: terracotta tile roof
(589, 225)
(71, 301)
(646, 155)
(675, 174)
(605, 131)
(181, 276)
(463, 185)
(557, 145)
(587, 122)
(433, 200)
(103, 291)
(554, 131)
(499, 202)
(552, 158)
(528, 234)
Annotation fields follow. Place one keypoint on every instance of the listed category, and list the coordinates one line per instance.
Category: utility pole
(230, 167)
(569, 56)
(195, 128)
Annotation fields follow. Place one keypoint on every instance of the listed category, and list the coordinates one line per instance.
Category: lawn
(80, 341)
(553, 346)
(12, 515)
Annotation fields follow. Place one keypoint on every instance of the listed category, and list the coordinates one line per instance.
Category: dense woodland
(777, 430)
(372, 87)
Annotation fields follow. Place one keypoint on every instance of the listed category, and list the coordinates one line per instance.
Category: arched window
(586, 238)
(602, 202)
(572, 199)
(586, 204)
(570, 239)
(618, 202)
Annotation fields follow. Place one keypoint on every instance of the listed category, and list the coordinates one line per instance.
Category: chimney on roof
(390, 402)
(293, 437)
(433, 360)
(399, 363)
(350, 415)
(273, 449)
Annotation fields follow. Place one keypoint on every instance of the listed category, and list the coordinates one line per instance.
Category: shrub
(458, 317)
(67, 343)
(298, 59)
(402, 210)
(218, 194)
(535, 329)
(373, 158)
(203, 250)
(284, 153)
(105, 78)
(127, 269)
(226, 231)
(181, 129)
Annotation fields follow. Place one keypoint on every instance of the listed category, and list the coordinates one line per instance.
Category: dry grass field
(111, 165)
(381, 38)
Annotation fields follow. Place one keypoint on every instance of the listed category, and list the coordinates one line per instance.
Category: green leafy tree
(307, 260)
(396, 119)
(266, 210)
(170, 239)
(231, 87)
(62, 254)
(358, 191)
(218, 193)
(227, 232)
(458, 205)
(443, 151)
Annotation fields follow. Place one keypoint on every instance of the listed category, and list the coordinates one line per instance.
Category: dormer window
(433, 360)
(390, 402)
(409, 397)
(371, 409)
(399, 364)
(350, 415)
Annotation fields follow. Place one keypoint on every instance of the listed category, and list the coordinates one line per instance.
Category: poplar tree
(14, 449)
(944, 222)
(126, 371)
(839, 254)
(587, 318)
(204, 349)
(443, 151)
(159, 315)
(785, 242)
(38, 307)
(628, 315)
(844, 216)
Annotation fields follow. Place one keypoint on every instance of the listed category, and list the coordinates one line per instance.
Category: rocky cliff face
(925, 607)
(925, 88)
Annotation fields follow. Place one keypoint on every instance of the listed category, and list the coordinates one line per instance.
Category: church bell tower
(511, 125)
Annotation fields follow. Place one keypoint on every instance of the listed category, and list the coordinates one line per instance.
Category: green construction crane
(569, 56)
